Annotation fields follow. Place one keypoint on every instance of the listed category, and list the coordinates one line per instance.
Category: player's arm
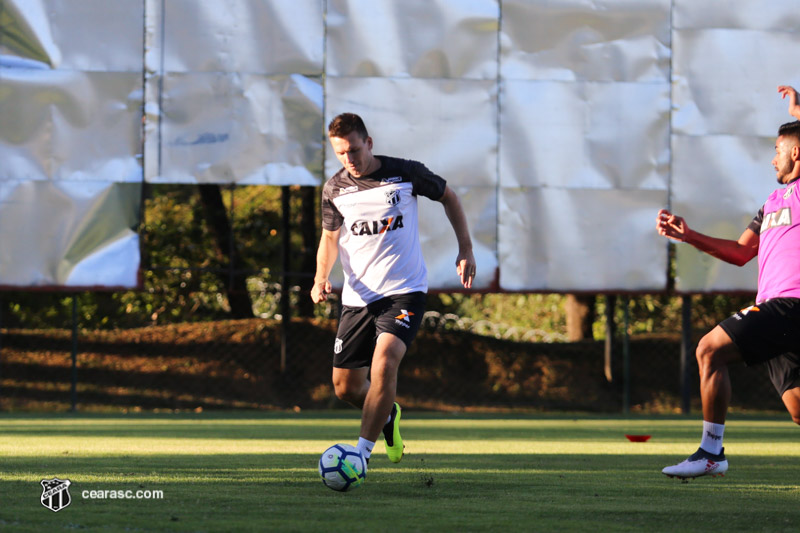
(326, 256)
(737, 252)
(465, 262)
(794, 107)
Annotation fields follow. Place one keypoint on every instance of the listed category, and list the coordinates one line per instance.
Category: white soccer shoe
(700, 463)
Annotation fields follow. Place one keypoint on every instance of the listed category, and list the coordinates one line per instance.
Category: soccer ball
(342, 467)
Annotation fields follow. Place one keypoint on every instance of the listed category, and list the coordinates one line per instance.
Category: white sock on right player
(712, 437)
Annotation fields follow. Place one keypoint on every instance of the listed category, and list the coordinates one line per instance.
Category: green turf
(258, 472)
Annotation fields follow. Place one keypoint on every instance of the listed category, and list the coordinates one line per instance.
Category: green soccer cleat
(391, 434)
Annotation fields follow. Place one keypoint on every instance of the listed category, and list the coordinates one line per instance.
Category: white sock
(712, 437)
(365, 447)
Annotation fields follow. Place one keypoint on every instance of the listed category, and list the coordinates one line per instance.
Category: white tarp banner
(728, 59)
(234, 92)
(564, 126)
(70, 142)
(69, 234)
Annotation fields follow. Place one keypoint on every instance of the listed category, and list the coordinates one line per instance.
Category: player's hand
(320, 291)
(466, 268)
(794, 108)
(671, 226)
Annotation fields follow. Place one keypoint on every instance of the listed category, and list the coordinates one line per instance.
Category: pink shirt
(779, 244)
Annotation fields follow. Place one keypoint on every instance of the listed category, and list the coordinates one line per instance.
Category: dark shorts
(769, 333)
(359, 327)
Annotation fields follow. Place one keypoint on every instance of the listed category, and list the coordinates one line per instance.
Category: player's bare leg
(714, 353)
(389, 352)
(351, 385)
(791, 399)
(355, 387)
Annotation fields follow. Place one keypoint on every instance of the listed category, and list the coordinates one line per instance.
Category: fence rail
(285, 363)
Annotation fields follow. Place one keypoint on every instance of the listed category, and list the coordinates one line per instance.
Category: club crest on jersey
(376, 227)
(789, 191)
(392, 197)
(781, 217)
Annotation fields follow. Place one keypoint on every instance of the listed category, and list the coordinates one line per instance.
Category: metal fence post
(1, 352)
(74, 389)
(608, 361)
(686, 348)
(626, 359)
(285, 296)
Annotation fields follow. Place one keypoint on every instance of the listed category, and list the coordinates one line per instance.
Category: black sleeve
(332, 219)
(425, 182)
(755, 224)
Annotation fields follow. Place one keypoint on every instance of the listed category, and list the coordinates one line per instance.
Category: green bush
(185, 278)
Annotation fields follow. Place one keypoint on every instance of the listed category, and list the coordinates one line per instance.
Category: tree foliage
(185, 276)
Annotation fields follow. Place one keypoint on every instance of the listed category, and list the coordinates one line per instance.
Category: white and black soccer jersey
(379, 240)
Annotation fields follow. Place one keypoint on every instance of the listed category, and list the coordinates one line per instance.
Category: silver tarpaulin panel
(76, 234)
(413, 39)
(69, 125)
(248, 129)
(728, 60)
(585, 136)
(70, 142)
(549, 239)
(234, 92)
(83, 35)
(584, 145)
(564, 126)
(598, 40)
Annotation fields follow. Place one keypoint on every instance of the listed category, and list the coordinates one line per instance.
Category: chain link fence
(272, 363)
(212, 328)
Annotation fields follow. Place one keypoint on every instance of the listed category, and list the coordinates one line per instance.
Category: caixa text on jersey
(376, 227)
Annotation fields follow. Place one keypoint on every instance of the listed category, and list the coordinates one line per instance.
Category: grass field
(258, 472)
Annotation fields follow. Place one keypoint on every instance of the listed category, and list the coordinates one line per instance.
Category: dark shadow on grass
(292, 426)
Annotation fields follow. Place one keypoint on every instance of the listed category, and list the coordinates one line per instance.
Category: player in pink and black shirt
(369, 220)
(767, 332)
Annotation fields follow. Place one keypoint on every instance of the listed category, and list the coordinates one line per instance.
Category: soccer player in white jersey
(767, 332)
(369, 220)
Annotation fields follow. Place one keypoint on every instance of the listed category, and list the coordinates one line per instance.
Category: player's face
(354, 153)
(783, 162)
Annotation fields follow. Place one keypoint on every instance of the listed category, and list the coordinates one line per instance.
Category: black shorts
(769, 332)
(359, 327)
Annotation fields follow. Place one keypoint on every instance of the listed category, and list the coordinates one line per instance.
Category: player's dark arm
(327, 253)
(465, 262)
(737, 252)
